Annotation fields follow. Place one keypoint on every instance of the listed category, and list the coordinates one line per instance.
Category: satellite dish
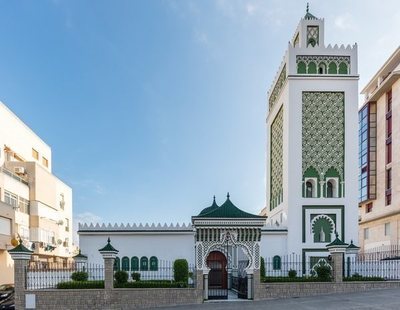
(14, 242)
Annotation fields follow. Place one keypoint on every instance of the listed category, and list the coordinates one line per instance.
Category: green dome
(213, 207)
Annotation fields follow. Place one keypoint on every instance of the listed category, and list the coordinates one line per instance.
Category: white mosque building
(311, 175)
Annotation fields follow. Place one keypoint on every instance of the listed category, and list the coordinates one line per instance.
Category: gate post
(109, 253)
(250, 278)
(205, 287)
(21, 256)
(229, 278)
(337, 248)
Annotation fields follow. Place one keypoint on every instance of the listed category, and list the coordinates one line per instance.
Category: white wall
(21, 138)
(166, 246)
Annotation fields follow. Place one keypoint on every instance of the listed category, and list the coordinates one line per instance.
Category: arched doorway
(217, 276)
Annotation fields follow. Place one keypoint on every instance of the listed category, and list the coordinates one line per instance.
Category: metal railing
(164, 273)
(362, 268)
(49, 275)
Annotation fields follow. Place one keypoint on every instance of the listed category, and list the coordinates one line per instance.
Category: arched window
(144, 263)
(117, 264)
(329, 189)
(134, 263)
(332, 69)
(322, 230)
(153, 263)
(125, 263)
(322, 68)
(312, 68)
(276, 262)
(343, 68)
(301, 68)
(311, 42)
(309, 189)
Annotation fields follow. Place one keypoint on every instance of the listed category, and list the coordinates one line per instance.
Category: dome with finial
(308, 14)
(210, 208)
(226, 210)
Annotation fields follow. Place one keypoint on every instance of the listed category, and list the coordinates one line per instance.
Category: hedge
(293, 279)
(152, 284)
(361, 278)
(80, 285)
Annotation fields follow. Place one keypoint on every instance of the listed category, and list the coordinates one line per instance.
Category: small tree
(121, 277)
(79, 276)
(262, 268)
(323, 272)
(135, 276)
(181, 270)
(292, 273)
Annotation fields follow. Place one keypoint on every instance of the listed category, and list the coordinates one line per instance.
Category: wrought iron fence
(379, 253)
(49, 275)
(164, 274)
(364, 268)
(295, 268)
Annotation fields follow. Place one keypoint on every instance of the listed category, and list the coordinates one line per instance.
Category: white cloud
(345, 22)
(201, 37)
(85, 217)
(90, 184)
(250, 8)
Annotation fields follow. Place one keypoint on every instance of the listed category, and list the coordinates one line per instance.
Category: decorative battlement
(278, 83)
(134, 227)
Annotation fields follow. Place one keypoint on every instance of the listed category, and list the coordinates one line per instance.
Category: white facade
(36, 205)
(292, 208)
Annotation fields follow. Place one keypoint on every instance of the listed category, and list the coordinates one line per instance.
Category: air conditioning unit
(19, 170)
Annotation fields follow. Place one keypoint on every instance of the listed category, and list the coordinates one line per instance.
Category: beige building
(379, 158)
(34, 203)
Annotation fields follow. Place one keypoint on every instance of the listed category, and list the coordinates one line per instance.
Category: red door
(218, 276)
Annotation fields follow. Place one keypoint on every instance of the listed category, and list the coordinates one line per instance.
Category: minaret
(312, 139)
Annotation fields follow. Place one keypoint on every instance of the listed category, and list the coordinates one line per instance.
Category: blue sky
(152, 107)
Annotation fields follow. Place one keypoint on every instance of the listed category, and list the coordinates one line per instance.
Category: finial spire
(214, 198)
(337, 234)
(108, 240)
(308, 7)
(227, 195)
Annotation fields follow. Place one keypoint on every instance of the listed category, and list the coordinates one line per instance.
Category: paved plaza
(376, 299)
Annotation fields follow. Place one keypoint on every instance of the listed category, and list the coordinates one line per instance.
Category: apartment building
(379, 163)
(34, 204)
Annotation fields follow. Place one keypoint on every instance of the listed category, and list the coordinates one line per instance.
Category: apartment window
(66, 224)
(368, 207)
(366, 233)
(5, 226)
(387, 229)
(23, 205)
(11, 199)
(45, 162)
(35, 154)
(24, 232)
(389, 127)
(62, 201)
(388, 191)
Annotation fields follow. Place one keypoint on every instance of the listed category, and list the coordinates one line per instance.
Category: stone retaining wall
(114, 299)
(301, 289)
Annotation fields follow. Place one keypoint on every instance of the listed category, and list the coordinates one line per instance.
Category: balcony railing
(14, 176)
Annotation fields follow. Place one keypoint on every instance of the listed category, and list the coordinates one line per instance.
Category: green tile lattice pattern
(277, 88)
(276, 158)
(323, 132)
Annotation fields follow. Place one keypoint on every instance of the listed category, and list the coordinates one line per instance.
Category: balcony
(14, 176)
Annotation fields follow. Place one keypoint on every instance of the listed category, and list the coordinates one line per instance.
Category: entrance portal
(218, 276)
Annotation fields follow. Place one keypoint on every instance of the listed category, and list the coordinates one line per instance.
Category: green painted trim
(305, 250)
(340, 207)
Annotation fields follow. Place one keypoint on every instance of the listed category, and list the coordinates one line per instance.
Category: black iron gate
(242, 287)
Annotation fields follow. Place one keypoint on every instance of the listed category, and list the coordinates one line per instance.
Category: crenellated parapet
(134, 227)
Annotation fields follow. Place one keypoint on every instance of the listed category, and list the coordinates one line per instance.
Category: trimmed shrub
(80, 285)
(262, 268)
(287, 279)
(135, 276)
(358, 277)
(121, 277)
(181, 270)
(79, 276)
(323, 272)
(292, 274)
(153, 284)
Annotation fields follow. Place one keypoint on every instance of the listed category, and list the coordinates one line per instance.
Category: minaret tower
(312, 142)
